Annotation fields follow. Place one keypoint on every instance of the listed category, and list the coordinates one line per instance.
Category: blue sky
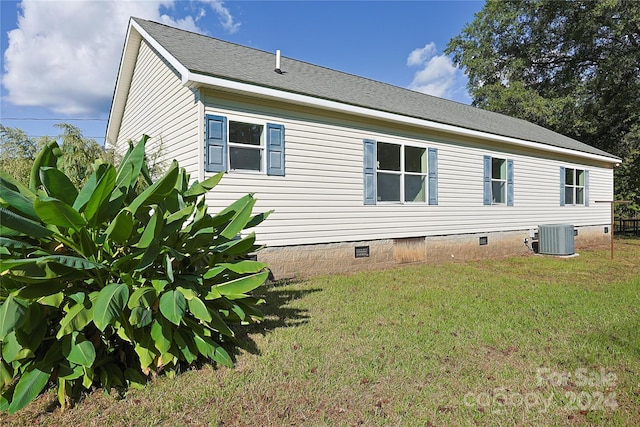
(60, 58)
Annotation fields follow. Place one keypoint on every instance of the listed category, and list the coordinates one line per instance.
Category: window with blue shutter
(369, 172)
(487, 180)
(562, 185)
(275, 149)
(215, 153)
(498, 185)
(574, 187)
(433, 176)
(586, 188)
(399, 173)
(509, 182)
(243, 147)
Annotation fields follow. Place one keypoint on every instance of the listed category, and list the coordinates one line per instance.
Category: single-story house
(360, 174)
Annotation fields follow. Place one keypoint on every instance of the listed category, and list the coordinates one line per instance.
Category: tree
(17, 152)
(573, 67)
(78, 153)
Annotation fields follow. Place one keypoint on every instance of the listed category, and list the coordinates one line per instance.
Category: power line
(54, 119)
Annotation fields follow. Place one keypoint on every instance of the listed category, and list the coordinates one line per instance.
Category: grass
(521, 341)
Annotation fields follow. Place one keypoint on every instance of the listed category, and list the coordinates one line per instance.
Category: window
(574, 187)
(498, 181)
(246, 146)
(241, 146)
(399, 173)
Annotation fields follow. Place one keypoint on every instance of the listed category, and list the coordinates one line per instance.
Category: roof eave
(197, 79)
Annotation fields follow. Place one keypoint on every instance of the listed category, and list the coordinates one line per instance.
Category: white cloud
(64, 55)
(226, 20)
(437, 75)
(419, 56)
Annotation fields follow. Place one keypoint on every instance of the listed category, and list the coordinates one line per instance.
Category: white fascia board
(201, 79)
(181, 69)
(120, 92)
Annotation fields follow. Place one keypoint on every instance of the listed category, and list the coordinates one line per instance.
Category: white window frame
(575, 187)
(502, 180)
(403, 173)
(261, 147)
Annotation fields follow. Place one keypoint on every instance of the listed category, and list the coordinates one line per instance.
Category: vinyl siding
(160, 106)
(320, 200)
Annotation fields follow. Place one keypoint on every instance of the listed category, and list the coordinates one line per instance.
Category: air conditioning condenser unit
(556, 239)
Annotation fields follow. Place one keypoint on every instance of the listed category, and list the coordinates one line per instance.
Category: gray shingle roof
(210, 56)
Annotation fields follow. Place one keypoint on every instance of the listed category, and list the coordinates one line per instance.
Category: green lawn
(521, 341)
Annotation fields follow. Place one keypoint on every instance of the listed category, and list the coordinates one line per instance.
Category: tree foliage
(18, 152)
(111, 283)
(573, 67)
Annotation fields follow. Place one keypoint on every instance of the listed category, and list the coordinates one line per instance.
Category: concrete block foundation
(346, 257)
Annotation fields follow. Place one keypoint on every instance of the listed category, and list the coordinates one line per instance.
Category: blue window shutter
(369, 172)
(509, 182)
(487, 180)
(586, 188)
(562, 184)
(215, 147)
(275, 149)
(433, 176)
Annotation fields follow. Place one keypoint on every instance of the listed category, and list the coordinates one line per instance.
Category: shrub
(110, 284)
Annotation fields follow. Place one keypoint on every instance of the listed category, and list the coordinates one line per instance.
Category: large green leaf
(242, 213)
(218, 324)
(14, 244)
(76, 319)
(186, 345)
(101, 192)
(140, 317)
(152, 230)
(238, 246)
(12, 348)
(11, 183)
(200, 188)
(199, 309)
(109, 304)
(58, 185)
(57, 212)
(257, 219)
(173, 305)
(73, 262)
(144, 297)
(244, 266)
(131, 164)
(48, 156)
(243, 284)
(6, 374)
(23, 225)
(158, 191)
(11, 315)
(31, 383)
(162, 334)
(120, 228)
(77, 349)
(19, 202)
(43, 289)
(222, 357)
(145, 350)
(149, 256)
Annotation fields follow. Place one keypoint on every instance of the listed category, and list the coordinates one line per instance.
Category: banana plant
(110, 284)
